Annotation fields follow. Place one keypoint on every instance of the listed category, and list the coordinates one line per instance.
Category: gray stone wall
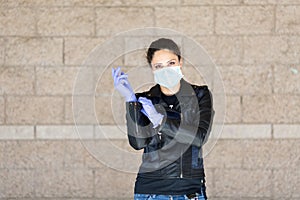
(43, 43)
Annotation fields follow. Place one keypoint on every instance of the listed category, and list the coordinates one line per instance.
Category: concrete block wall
(254, 43)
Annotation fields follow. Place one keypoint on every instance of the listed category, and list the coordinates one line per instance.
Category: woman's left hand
(150, 111)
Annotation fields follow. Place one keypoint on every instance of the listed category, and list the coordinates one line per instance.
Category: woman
(170, 122)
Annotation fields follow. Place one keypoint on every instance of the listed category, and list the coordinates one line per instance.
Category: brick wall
(43, 43)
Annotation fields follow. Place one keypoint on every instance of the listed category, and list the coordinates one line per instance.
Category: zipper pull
(159, 135)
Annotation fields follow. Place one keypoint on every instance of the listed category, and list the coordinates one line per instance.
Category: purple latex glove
(122, 85)
(150, 111)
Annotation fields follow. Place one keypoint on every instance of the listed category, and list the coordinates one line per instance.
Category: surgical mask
(168, 76)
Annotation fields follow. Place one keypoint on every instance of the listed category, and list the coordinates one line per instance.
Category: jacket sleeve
(139, 128)
(193, 130)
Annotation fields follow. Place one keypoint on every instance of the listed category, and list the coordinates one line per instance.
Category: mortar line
(63, 51)
(34, 132)
(94, 183)
(64, 109)
(272, 183)
(107, 36)
(95, 21)
(272, 131)
(155, 17)
(4, 50)
(214, 19)
(35, 81)
(242, 109)
(5, 109)
(275, 18)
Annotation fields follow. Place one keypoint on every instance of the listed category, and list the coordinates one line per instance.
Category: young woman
(170, 122)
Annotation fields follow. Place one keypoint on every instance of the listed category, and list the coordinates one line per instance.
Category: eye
(171, 63)
(158, 66)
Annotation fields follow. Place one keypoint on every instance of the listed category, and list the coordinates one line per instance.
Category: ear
(180, 62)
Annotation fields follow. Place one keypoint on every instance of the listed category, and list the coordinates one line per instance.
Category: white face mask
(168, 76)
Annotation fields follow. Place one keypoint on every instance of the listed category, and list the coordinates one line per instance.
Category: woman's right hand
(122, 85)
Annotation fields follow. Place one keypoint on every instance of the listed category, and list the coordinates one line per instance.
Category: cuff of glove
(158, 120)
(131, 98)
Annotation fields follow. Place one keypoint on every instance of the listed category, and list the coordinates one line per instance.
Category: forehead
(163, 55)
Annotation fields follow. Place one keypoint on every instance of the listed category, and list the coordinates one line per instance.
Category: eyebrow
(161, 63)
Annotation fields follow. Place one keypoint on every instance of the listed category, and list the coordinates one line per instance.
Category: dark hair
(162, 43)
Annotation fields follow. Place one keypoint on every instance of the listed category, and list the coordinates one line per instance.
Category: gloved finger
(117, 76)
(123, 80)
(141, 100)
(123, 76)
(113, 70)
(117, 71)
(114, 73)
(144, 100)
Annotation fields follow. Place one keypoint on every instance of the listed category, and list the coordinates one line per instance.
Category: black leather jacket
(174, 149)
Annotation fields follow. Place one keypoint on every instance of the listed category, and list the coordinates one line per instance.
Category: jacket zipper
(136, 124)
(181, 171)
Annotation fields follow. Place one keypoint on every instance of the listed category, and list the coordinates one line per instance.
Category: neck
(170, 91)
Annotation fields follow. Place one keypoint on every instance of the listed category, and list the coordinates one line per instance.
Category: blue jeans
(168, 197)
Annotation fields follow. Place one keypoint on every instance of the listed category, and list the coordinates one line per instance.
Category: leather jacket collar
(185, 89)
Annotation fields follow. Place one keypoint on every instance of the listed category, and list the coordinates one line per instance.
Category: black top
(170, 100)
(171, 186)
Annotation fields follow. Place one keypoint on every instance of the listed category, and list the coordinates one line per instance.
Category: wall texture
(254, 43)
